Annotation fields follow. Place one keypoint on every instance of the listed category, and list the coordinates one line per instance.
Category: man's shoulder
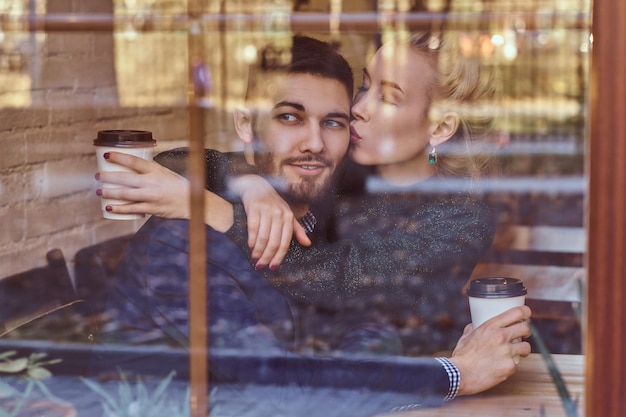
(176, 158)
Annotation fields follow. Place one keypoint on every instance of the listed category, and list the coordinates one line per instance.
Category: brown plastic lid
(124, 138)
(496, 287)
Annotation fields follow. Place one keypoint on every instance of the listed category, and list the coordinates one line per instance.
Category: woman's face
(390, 110)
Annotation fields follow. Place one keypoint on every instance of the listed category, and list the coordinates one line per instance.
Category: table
(529, 392)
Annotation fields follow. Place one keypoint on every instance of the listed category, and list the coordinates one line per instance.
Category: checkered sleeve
(454, 375)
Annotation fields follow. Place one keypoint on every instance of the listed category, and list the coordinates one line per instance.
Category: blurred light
(249, 54)
(510, 52)
(584, 47)
(486, 47)
(467, 45)
(497, 40)
(435, 5)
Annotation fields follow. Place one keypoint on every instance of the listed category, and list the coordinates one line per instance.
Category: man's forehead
(280, 88)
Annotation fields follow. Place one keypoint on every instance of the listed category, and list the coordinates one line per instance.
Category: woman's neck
(406, 173)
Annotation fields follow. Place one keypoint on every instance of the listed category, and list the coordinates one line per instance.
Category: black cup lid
(496, 287)
(124, 138)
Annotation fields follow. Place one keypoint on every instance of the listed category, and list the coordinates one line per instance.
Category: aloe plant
(30, 369)
(135, 400)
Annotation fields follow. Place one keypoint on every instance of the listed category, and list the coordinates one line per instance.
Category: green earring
(432, 156)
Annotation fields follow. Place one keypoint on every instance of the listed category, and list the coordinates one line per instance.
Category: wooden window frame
(605, 390)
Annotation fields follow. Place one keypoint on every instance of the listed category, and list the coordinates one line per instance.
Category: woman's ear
(445, 128)
(243, 124)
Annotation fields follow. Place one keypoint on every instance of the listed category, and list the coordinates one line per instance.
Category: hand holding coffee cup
(138, 143)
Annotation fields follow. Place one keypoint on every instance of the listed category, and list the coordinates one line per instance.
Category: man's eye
(287, 117)
(334, 123)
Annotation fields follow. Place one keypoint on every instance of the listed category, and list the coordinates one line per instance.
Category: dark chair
(41, 304)
(94, 268)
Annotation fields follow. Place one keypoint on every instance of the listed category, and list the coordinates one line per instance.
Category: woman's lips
(354, 137)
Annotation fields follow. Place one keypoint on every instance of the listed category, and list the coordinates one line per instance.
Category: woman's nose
(359, 107)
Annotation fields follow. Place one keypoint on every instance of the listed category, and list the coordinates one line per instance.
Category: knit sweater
(386, 247)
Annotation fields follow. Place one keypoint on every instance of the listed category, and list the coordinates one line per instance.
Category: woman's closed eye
(382, 95)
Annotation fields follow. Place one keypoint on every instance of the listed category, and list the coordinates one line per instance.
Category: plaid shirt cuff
(308, 222)
(453, 375)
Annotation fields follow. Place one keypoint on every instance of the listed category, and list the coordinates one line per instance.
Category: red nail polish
(97, 176)
(106, 155)
(255, 260)
(273, 267)
(108, 208)
(99, 192)
(260, 266)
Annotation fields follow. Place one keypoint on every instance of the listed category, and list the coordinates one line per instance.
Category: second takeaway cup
(133, 142)
(489, 297)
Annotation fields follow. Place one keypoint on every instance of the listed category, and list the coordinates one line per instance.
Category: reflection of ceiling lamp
(472, 45)
(510, 51)
(249, 54)
(510, 45)
(129, 31)
(486, 47)
(497, 40)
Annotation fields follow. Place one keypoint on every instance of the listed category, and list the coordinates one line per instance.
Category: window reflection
(19, 49)
(536, 188)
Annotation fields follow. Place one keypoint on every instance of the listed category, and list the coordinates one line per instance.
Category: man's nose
(313, 140)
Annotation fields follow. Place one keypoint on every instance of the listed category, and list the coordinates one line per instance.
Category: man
(296, 134)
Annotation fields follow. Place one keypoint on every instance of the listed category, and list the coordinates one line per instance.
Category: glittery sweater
(383, 246)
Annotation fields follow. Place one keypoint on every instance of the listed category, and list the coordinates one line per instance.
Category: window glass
(465, 160)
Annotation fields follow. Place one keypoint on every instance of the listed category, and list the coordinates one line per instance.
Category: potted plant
(24, 393)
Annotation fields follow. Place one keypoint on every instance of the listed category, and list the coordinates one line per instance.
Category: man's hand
(489, 354)
(271, 222)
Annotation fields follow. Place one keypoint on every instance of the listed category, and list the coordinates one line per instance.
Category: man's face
(301, 134)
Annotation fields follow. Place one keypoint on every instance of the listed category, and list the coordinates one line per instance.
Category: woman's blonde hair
(463, 85)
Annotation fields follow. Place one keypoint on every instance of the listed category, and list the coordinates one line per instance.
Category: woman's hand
(489, 354)
(271, 222)
(151, 188)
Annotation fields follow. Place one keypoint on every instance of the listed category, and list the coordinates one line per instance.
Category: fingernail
(273, 267)
(106, 155)
(261, 266)
(108, 208)
(97, 176)
(99, 192)
(255, 260)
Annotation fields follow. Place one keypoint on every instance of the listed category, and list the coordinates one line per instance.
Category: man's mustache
(308, 159)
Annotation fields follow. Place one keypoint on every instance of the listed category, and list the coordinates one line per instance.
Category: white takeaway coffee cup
(138, 143)
(491, 296)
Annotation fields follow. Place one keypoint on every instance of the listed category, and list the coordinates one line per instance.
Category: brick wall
(47, 161)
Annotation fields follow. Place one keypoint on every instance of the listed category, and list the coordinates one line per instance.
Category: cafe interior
(70, 69)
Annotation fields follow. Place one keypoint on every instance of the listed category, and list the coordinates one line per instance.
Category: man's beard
(306, 190)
